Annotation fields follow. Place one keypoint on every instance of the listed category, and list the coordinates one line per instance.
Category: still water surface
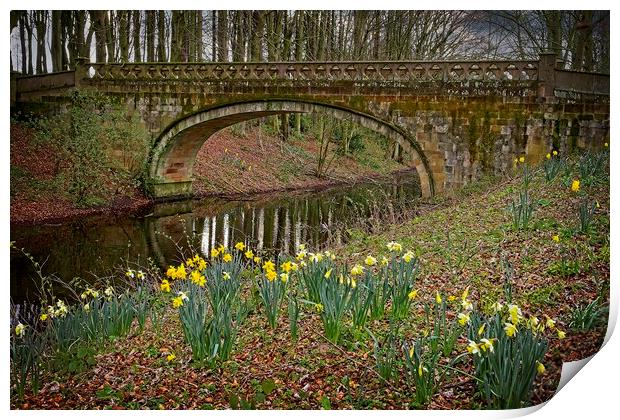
(275, 223)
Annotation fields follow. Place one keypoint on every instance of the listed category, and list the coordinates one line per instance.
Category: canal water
(270, 224)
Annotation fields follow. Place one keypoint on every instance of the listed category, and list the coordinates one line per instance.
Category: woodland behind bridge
(52, 40)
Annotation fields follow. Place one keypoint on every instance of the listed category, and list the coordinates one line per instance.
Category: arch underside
(172, 159)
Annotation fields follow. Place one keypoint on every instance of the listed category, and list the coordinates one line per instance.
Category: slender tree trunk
(41, 25)
(29, 30)
(110, 38)
(137, 28)
(123, 34)
(257, 35)
(214, 35)
(150, 35)
(22, 41)
(198, 18)
(67, 24)
(288, 34)
(176, 36)
(56, 44)
(161, 37)
(222, 36)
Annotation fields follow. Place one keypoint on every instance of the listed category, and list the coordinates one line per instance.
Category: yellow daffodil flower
(421, 370)
(164, 286)
(43, 317)
(550, 323)
(606, 145)
(257, 260)
(329, 273)
(227, 258)
(394, 246)
(540, 368)
(129, 274)
(555, 153)
(548, 156)
(555, 238)
(438, 298)
(170, 357)
(20, 329)
(408, 256)
(271, 275)
(413, 294)
(575, 185)
(487, 345)
(522, 159)
(481, 329)
(318, 307)
(202, 264)
(370, 260)
(515, 313)
(561, 334)
(463, 318)
(177, 302)
(225, 275)
(357, 270)
(473, 347)
(181, 273)
(286, 266)
(510, 329)
(269, 266)
(467, 305)
(283, 277)
(239, 246)
(249, 254)
(384, 261)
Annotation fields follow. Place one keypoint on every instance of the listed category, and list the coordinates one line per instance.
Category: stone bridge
(456, 119)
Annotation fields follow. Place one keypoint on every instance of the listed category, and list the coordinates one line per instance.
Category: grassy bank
(404, 327)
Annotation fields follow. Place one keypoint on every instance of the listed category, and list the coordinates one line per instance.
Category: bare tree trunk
(161, 37)
(29, 30)
(214, 35)
(198, 22)
(110, 38)
(22, 41)
(257, 35)
(176, 36)
(288, 34)
(40, 23)
(137, 24)
(123, 34)
(66, 23)
(150, 35)
(222, 35)
(56, 44)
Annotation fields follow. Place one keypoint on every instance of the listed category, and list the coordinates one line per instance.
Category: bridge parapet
(388, 71)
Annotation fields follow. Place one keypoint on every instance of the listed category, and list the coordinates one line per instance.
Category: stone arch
(172, 157)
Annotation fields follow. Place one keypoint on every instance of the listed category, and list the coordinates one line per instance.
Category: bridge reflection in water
(277, 224)
(269, 224)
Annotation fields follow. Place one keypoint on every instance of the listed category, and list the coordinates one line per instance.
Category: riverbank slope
(230, 164)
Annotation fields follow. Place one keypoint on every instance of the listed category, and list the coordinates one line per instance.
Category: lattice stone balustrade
(386, 71)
